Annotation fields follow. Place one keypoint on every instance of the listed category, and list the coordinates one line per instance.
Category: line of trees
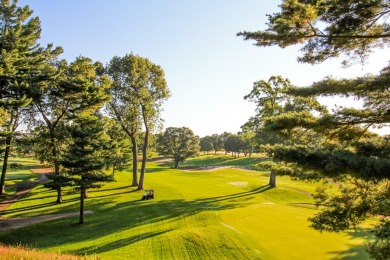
(80, 114)
(64, 102)
(242, 142)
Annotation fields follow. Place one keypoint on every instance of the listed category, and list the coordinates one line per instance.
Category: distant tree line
(242, 142)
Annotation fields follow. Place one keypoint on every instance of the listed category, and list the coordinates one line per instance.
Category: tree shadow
(123, 216)
(240, 162)
(157, 170)
(33, 207)
(354, 252)
(118, 243)
(26, 197)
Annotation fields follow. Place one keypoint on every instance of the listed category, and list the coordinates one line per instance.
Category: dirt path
(25, 187)
(21, 190)
(14, 223)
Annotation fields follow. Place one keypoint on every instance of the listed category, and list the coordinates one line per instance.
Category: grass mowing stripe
(204, 214)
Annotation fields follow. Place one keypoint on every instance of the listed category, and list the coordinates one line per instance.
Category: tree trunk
(5, 164)
(56, 164)
(135, 160)
(176, 163)
(85, 194)
(272, 179)
(144, 158)
(81, 219)
(59, 195)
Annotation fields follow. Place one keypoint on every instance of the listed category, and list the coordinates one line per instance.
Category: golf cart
(148, 195)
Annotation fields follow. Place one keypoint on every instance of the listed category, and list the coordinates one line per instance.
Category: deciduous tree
(217, 142)
(233, 144)
(117, 152)
(178, 143)
(206, 144)
(139, 90)
(248, 141)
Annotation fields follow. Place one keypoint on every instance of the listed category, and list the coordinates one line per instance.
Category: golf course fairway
(213, 207)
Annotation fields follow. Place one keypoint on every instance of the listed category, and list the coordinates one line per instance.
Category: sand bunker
(239, 183)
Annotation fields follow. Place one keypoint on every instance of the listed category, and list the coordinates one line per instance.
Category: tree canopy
(84, 161)
(178, 143)
(23, 65)
(206, 144)
(139, 89)
(77, 88)
(327, 28)
(332, 144)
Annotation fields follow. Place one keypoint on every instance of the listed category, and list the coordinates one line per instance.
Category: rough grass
(24, 253)
(220, 213)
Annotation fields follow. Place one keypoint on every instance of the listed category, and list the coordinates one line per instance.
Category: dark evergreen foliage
(23, 66)
(338, 144)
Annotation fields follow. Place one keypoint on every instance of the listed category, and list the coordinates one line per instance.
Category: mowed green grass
(199, 212)
(18, 175)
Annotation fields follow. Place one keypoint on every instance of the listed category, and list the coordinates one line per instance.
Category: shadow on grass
(130, 189)
(244, 162)
(40, 206)
(127, 215)
(157, 170)
(65, 200)
(354, 252)
(118, 243)
(209, 161)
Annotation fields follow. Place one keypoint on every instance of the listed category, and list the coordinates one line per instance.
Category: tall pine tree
(23, 65)
(344, 148)
(84, 160)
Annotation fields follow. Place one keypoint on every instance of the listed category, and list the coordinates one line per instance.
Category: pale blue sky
(208, 68)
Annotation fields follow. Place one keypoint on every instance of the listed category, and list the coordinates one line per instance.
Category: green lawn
(18, 175)
(198, 213)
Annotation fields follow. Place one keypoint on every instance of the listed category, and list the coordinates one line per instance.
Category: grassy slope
(225, 213)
